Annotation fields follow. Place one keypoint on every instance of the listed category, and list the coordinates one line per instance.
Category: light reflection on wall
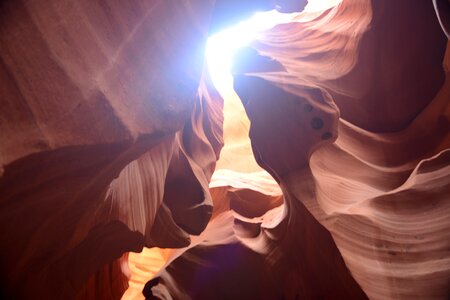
(236, 159)
(222, 46)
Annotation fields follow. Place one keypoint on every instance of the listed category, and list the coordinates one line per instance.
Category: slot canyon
(316, 165)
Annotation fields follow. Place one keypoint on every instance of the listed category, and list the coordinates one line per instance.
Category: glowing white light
(320, 5)
(222, 46)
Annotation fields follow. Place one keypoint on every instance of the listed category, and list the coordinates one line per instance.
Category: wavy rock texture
(352, 120)
(383, 196)
(102, 132)
(111, 131)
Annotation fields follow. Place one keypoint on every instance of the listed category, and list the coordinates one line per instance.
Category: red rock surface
(333, 181)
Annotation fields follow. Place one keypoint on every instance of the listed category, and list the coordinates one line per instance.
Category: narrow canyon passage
(272, 149)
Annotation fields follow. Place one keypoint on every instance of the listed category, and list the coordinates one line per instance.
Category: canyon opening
(261, 149)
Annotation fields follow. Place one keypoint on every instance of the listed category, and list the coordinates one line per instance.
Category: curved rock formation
(382, 196)
(336, 121)
(101, 119)
(333, 181)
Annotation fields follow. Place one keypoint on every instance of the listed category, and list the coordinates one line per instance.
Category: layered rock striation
(333, 181)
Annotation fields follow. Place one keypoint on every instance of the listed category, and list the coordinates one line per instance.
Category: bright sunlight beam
(222, 46)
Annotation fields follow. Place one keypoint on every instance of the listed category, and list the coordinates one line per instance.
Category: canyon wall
(333, 181)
